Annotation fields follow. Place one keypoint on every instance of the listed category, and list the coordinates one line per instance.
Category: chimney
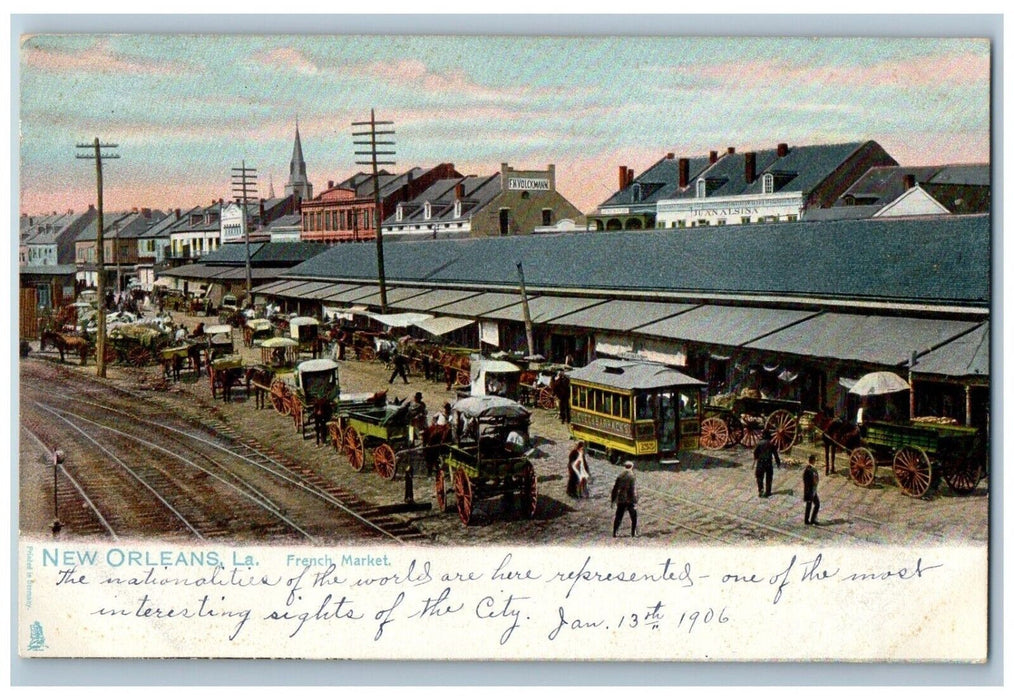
(262, 211)
(623, 176)
(730, 150)
(750, 161)
(684, 172)
(909, 181)
(177, 212)
(713, 157)
(783, 150)
(146, 212)
(459, 191)
(330, 184)
(630, 177)
(91, 207)
(670, 156)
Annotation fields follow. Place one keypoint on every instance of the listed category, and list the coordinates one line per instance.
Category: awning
(967, 356)
(400, 320)
(619, 315)
(543, 309)
(352, 294)
(300, 291)
(441, 325)
(434, 299)
(277, 288)
(724, 325)
(880, 340)
(481, 305)
(394, 295)
(269, 287)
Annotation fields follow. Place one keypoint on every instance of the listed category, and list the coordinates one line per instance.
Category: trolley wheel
(547, 399)
(964, 475)
(784, 429)
(139, 356)
(354, 452)
(913, 470)
(752, 432)
(463, 494)
(529, 490)
(385, 462)
(862, 466)
(714, 433)
(441, 489)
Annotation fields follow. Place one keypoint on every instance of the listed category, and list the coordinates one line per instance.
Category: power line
(244, 183)
(368, 137)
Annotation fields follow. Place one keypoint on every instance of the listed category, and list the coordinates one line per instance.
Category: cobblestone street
(709, 498)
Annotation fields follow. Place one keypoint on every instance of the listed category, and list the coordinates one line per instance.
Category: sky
(186, 109)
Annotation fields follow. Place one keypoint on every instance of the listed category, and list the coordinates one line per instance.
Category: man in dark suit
(810, 479)
(765, 455)
(625, 498)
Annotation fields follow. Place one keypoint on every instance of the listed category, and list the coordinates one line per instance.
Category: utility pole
(368, 137)
(116, 256)
(100, 259)
(527, 313)
(244, 183)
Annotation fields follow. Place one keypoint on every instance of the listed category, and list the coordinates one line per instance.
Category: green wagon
(920, 454)
(380, 430)
(482, 461)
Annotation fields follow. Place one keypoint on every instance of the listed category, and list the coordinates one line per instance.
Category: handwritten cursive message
(498, 603)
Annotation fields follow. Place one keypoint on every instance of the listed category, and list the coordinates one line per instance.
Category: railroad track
(195, 446)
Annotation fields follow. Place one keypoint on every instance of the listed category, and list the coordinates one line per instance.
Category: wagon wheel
(139, 356)
(463, 494)
(367, 353)
(735, 435)
(784, 429)
(912, 470)
(714, 433)
(354, 451)
(441, 489)
(278, 398)
(547, 399)
(463, 377)
(752, 431)
(334, 434)
(862, 466)
(385, 462)
(964, 475)
(529, 490)
(110, 355)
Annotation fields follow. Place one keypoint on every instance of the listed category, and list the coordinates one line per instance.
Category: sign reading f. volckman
(528, 183)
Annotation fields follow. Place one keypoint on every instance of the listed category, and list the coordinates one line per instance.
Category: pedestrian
(576, 467)
(400, 367)
(765, 455)
(417, 416)
(810, 479)
(625, 498)
(561, 389)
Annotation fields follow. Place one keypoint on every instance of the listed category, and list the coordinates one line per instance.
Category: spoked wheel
(463, 494)
(139, 356)
(529, 490)
(964, 475)
(441, 489)
(279, 399)
(110, 355)
(354, 452)
(463, 377)
(385, 462)
(714, 433)
(752, 431)
(913, 471)
(547, 399)
(735, 435)
(784, 429)
(862, 466)
(334, 434)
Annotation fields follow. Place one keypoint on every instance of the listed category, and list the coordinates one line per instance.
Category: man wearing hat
(765, 455)
(417, 415)
(625, 498)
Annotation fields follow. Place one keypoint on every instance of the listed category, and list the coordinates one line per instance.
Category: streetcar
(635, 408)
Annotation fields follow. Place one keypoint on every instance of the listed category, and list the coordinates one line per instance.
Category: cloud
(286, 58)
(99, 57)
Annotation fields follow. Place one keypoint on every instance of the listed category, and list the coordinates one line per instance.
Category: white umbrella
(877, 383)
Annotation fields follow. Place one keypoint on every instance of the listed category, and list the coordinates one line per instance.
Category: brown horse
(837, 434)
(432, 438)
(260, 377)
(65, 343)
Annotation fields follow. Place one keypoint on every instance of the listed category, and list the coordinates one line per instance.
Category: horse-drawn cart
(919, 453)
(537, 383)
(306, 331)
(136, 345)
(256, 330)
(380, 428)
(746, 418)
(483, 461)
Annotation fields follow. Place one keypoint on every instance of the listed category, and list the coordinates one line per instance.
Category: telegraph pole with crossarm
(100, 259)
(368, 137)
(244, 183)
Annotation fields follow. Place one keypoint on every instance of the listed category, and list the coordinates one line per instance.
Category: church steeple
(298, 184)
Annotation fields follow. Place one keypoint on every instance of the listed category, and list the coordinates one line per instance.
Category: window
(681, 223)
(399, 214)
(505, 218)
(457, 209)
(720, 222)
(744, 219)
(792, 217)
(427, 211)
(547, 217)
(768, 183)
(636, 192)
(702, 189)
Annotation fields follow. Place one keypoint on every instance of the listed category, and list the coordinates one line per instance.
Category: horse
(65, 343)
(260, 377)
(836, 434)
(432, 438)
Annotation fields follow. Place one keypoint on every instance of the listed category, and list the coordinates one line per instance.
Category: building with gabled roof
(49, 240)
(121, 232)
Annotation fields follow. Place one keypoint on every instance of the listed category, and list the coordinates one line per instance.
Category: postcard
(480, 347)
